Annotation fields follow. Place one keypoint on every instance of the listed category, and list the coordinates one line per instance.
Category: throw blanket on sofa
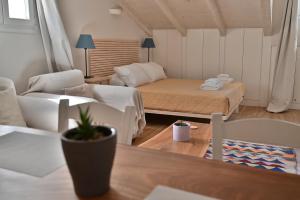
(120, 97)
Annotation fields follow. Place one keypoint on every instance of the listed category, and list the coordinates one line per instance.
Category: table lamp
(148, 43)
(85, 42)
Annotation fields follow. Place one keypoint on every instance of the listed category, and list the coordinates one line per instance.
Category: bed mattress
(185, 96)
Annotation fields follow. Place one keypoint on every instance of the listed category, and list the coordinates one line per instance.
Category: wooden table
(197, 146)
(137, 171)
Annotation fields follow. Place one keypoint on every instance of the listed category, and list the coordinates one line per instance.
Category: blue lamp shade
(85, 41)
(148, 43)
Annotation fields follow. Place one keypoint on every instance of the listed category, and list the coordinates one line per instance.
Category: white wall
(245, 54)
(21, 57)
(92, 16)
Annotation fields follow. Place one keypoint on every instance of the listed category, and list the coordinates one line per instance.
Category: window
(18, 16)
(18, 9)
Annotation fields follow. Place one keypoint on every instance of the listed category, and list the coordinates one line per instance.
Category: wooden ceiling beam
(134, 17)
(216, 13)
(266, 8)
(170, 16)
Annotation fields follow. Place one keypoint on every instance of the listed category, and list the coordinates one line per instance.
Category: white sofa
(55, 113)
(71, 83)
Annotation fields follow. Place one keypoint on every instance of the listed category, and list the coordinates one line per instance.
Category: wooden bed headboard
(110, 53)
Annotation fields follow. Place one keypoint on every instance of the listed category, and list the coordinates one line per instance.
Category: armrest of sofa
(40, 113)
(41, 110)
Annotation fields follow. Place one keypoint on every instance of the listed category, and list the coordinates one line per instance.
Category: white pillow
(115, 80)
(133, 75)
(10, 112)
(55, 82)
(154, 71)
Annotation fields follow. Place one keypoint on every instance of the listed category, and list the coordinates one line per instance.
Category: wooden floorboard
(156, 123)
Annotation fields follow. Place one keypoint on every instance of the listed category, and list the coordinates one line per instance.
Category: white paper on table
(166, 193)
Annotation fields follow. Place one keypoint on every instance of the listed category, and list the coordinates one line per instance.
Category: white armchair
(40, 113)
(26, 111)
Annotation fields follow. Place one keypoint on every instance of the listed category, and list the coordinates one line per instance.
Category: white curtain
(284, 76)
(55, 40)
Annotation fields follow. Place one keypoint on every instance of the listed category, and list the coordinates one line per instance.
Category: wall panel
(211, 53)
(297, 81)
(161, 42)
(251, 75)
(194, 55)
(174, 54)
(234, 49)
(265, 69)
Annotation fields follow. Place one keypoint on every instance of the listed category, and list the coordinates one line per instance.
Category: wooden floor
(156, 123)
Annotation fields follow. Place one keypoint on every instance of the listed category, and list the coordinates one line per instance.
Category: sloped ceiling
(194, 14)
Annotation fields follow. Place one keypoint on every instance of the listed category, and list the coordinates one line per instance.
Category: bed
(184, 97)
(179, 97)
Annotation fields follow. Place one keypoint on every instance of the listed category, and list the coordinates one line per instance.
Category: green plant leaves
(85, 129)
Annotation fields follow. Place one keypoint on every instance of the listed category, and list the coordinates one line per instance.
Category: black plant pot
(90, 162)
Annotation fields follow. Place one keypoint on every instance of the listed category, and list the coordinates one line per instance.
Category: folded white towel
(213, 80)
(223, 76)
(211, 86)
(226, 80)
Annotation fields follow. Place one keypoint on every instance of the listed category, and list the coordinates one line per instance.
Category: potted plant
(181, 131)
(89, 151)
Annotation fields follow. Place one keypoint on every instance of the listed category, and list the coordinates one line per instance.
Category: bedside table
(98, 80)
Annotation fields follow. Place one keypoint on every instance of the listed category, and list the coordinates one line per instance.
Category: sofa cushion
(55, 82)
(10, 112)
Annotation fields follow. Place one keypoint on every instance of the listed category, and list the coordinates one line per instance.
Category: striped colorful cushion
(275, 158)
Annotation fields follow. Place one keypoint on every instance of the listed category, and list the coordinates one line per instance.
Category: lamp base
(88, 77)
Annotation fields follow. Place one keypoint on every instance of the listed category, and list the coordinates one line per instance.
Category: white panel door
(251, 75)
(234, 48)
(194, 54)
(160, 53)
(211, 53)
(174, 54)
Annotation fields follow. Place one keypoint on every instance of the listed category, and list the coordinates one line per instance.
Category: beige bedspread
(177, 95)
